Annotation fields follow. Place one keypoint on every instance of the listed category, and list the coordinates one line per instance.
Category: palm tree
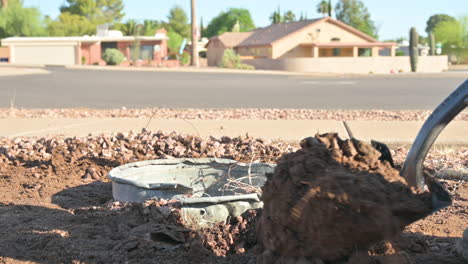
(276, 17)
(289, 17)
(325, 7)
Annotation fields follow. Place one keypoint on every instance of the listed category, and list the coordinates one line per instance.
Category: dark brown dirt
(335, 197)
(56, 207)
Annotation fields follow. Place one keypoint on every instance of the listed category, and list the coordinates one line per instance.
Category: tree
(236, 27)
(202, 28)
(454, 37)
(325, 7)
(70, 25)
(16, 20)
(434, 20)
(128, 28)
(97, 11)
(449, 33)
(226, 20)
(276, 17)
(289, 16)
(355, 14)
(178, 22)
(174, 42)
(150, 27)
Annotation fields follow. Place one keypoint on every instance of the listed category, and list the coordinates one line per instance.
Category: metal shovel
(413, 168)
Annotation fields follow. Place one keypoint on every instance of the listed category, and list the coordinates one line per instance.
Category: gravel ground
(227, 114)
(445, 161)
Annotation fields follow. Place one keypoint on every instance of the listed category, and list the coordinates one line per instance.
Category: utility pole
(194, 61)
(329, 8)
(4, 3)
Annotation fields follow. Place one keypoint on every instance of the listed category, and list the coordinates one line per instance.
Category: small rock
(87, 176)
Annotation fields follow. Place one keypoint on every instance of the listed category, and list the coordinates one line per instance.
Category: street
(74, 88)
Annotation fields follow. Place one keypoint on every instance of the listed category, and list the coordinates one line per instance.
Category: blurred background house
(317, 45)
(86, 50)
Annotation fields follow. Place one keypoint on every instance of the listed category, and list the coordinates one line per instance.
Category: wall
(91, 52)
(299, 51)
(124, 47)
(214, 53)
(310, 34)
(4, 52)
(352, 65)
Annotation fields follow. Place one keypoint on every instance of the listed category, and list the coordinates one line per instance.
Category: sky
(394, 18)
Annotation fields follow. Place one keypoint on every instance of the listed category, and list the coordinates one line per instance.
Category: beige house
(319, 45)
(325, 37)
(217, 45)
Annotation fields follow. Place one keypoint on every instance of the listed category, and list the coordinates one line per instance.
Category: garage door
(51, 55)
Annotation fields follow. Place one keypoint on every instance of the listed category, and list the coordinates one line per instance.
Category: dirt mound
(334, 197)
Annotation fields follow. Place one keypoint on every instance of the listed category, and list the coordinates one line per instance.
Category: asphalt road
(67, 88)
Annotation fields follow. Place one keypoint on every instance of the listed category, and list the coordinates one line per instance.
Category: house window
(146, 52)
(365, 52)
(107, 45)
(335, 39)
(336, 52)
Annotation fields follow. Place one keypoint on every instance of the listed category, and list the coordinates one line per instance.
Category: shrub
(232, 60)
(185, 58)
(400, 53)
(113, 57)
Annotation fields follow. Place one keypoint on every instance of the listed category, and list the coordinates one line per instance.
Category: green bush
(399, 53)
(185, 58)
(113, 57)
(232, 60)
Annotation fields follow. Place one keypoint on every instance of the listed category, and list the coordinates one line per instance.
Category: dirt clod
(333, 197)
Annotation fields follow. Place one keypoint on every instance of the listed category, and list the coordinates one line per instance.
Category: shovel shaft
(413, 168)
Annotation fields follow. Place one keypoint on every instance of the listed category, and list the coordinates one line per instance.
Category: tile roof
(232, 39)
(268, 35)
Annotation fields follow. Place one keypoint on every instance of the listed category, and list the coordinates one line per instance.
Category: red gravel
(226, 114)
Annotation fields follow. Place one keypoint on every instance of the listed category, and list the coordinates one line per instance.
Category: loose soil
(56, 207)
(335, 197)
